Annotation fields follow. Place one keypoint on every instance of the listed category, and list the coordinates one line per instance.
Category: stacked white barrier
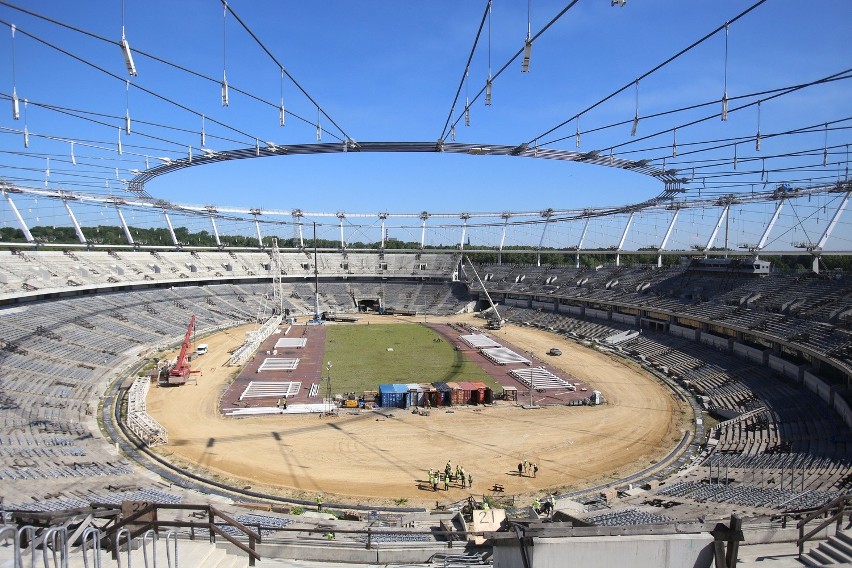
(140, 422)
(253, 341)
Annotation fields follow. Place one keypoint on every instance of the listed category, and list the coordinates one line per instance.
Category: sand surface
(371, 458)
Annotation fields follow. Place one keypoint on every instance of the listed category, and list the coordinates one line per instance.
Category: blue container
(393, 396)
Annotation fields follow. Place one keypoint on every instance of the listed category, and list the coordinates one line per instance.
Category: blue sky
(387, 71)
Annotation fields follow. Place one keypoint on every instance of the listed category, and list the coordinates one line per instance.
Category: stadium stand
(768, 452)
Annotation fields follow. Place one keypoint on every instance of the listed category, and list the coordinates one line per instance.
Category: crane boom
(181, 368)
(497, 319)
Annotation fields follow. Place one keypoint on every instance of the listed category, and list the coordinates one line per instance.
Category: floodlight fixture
(16, 106)
(525, 64)
(488, 92)
(224, 89)
(577, 135)
(467, 112)
(127, 122)
(128, 56)
(281, 114)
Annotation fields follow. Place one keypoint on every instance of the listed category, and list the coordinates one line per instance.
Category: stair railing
(126, 532)
(93, 534)
(833, 512)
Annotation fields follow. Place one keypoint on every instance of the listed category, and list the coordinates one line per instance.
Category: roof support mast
(297, 217)
(666, 239)
(171, 229)
(765, 236)
(77, 228)
(464, 217)
(829, 229)
(342, 216)
(211, 211)
(718, 226)
(546, 215)
(21, 223)
(582, 238)
(623, 238)
(256, 212)
(503, 237)
(383, 216)
(423, 216)
(124, 226)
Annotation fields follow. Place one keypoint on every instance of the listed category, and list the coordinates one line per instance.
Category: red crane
(181, 370)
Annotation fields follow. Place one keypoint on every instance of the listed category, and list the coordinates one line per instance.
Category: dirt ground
(382, 458)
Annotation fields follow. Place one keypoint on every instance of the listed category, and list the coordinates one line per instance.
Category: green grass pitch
(361, 360)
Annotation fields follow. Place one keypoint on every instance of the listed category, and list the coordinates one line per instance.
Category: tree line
(114, 235)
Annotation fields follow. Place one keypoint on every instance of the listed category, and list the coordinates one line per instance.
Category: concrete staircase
(836, 551)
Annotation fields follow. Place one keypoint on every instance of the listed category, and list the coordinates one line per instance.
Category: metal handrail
(841, 503)
(22, 531)
(154, 538)
(16, 553)
(95, 535)
(118, 546)
(55, 538)
(212, 513)
(173, 535)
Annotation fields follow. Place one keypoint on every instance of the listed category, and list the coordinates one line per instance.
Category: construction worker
(526, 466)
(485, 506)
(319, 501)
(434, 482)
(536, 505)
(534, 469)
(458, 471)
(446, 483)
(463, 478)
(470, 481)
(449, 469)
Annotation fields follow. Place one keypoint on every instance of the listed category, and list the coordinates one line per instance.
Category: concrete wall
(347, 552)
(523, 303)
(573, 310)
(818, 386)
(715, 341)
(544, 305)
(680, 331)
(625, 318)
(751, 353)
(842, 408)
(672, 551)
(600, 314)
(786, 368)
